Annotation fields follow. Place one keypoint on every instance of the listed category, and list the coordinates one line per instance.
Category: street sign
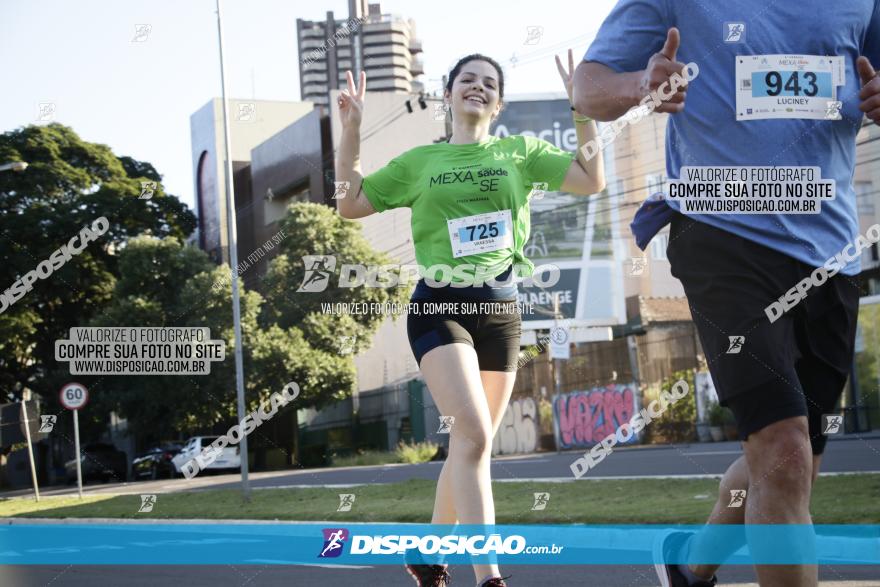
(74, 396)
(560, 344)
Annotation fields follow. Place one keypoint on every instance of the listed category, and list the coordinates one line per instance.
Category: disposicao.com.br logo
(429, 544)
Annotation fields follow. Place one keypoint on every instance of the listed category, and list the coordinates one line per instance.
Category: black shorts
(794, 366)
(495, 334)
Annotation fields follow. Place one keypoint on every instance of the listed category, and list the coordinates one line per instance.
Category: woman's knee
(472, 439)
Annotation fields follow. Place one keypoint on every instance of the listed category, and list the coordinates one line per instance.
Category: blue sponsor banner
(375, 544)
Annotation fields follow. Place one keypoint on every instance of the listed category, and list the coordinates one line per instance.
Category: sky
(135, 92)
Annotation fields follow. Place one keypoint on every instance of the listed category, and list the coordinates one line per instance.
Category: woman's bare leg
(452, 374)
(498, 386)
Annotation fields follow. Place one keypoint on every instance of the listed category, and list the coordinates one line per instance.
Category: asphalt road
(844, 455)
(221, 575)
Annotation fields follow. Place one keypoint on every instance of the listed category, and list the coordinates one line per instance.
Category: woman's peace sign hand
(351, 101)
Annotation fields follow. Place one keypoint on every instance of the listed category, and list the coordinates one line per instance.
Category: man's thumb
(866, 70)
(670, 47)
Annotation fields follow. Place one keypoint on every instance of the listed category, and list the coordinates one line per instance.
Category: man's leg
(779, 459)
(729, 282)
(778, 468)
(735, 478)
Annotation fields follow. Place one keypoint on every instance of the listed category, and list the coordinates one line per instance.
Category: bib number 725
(481, 231)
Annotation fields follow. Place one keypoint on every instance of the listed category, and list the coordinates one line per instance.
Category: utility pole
(233, 261)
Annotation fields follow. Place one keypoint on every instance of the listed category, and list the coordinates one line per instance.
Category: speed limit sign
(74, 396)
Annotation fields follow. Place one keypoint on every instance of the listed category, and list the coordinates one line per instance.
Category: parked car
(155, 462)
(229, 458)
(98, 460)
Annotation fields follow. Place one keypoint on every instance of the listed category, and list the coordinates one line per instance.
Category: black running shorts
(794, 366)
(492, 327)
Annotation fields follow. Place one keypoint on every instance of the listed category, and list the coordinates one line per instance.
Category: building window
(658, 246)
(864, 197)
(275, 204)
(655, 182)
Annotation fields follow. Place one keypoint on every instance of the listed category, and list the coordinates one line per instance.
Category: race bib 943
(788, 86)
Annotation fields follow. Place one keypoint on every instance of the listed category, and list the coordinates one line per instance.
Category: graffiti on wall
(583, 418)
(518, 432)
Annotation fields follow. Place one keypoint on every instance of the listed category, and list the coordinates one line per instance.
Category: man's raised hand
(870, 94)
(660, 68)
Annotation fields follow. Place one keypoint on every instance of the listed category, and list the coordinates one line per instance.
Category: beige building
(866, 181)
(636, 168)
(383, 45)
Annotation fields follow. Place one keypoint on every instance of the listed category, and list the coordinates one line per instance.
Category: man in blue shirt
(772, 295)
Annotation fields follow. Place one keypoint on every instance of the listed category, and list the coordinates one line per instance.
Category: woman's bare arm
(354, 203)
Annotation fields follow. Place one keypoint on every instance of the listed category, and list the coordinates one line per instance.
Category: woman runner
(469, 199)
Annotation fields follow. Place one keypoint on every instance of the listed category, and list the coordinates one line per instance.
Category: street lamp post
(233, 261)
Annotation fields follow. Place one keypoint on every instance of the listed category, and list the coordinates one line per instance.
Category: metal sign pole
(79, 479)
(557, 363)
(27, 433)
(74, 396)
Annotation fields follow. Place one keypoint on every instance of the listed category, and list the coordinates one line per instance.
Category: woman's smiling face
(475, 92)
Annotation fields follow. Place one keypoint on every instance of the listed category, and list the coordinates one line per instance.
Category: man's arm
(604, 94)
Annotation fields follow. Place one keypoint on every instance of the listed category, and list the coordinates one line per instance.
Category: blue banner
(375, 544)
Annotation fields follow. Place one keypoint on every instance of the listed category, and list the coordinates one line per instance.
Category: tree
(68, 184)
(162, 283)
(318, 230)
(286, 335)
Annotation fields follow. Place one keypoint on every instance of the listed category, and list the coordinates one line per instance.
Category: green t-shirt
(470, 203)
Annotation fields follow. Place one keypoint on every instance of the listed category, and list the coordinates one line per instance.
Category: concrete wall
(292, 165)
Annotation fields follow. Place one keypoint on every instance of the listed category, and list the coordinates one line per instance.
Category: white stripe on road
(270, 561)
(513, 480)
(712, 453)
(623, 477)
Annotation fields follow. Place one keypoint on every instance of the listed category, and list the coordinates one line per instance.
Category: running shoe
(429, 575)
(666, 548)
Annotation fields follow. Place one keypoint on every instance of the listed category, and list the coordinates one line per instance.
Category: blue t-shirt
(707, 133)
